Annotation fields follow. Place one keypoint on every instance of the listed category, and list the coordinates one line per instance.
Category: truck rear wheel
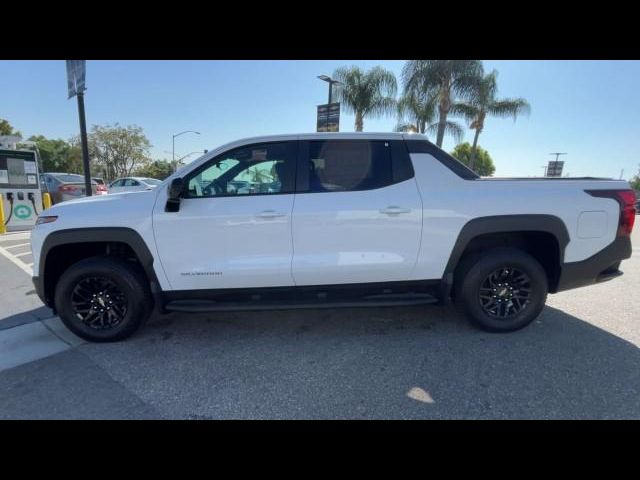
(103, 299)
(502, 290)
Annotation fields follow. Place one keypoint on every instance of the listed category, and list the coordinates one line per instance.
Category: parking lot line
(15, 236)
(16, 261)
(17, 245)
(22, 254)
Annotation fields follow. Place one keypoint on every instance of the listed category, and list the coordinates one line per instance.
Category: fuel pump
(19, 185)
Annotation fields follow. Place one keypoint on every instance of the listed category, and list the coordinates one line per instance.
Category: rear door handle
(394, 210)
(271, 214)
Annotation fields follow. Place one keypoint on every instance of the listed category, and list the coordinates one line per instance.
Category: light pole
(189, 154)
(173, 140)
(557, 154)
(331, 83)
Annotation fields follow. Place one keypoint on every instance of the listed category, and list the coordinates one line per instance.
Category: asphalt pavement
(579, 359)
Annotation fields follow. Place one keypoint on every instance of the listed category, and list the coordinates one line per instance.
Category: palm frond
(509, 107)
(466, 110)
(371, 93)
(419, 109)
(451, 128)
(455, 130)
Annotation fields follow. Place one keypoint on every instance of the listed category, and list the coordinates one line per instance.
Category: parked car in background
(102, 186)
(65, 186)
(133, 184)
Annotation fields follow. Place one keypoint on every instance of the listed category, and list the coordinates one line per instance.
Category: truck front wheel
(502, 290)
(103, 299)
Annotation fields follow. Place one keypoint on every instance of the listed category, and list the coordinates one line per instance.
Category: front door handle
(394, 210)
(271, 214)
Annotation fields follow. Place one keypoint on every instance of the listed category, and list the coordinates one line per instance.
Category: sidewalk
(28, 329)
(42, 373)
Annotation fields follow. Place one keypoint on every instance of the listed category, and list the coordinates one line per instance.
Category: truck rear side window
(348, 165)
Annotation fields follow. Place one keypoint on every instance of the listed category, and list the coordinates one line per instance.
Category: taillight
(628, 210)
(627, 200)
(66, 188)
(101, 188)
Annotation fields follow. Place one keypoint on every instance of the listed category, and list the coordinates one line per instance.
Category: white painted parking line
(15, 235)
(17, 245)
(23, 254)
(15, 260)
(6, 239)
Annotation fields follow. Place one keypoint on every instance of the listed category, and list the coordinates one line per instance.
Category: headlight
(46, 219)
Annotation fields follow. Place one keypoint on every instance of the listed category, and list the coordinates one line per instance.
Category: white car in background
(133, 184)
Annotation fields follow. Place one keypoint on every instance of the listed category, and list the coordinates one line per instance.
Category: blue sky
(590, 109)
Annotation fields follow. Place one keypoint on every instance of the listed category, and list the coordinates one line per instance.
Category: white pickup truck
(330, 220)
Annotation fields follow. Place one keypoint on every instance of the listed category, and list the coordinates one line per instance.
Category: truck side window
(349, 165)
(251, 170)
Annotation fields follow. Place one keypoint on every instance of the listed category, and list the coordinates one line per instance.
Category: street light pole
(331, 82)
(173, 147)
(557, 154)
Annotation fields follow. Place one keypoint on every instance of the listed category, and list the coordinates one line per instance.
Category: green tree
(635, 181)
(7, 129)
(417, 113)
(159, 169)
(366, 94)
(483, 102)
(447, 81)
(484, 162)
(58, 155)
(117, 151)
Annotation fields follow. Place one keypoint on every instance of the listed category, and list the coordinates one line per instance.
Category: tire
(487, 298)
(123, 312)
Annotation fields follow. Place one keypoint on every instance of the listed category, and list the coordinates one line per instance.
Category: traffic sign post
(76, 71)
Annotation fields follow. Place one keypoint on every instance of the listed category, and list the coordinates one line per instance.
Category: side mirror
(174, 192)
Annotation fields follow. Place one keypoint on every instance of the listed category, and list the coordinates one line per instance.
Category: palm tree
(446, 80)
(367, 94)
(420, 110)
(483, 102)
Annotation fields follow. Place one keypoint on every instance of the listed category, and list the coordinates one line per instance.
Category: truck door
(233, 228)
(357, 215)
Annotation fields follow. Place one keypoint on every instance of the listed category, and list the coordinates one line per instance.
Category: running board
(195, 306)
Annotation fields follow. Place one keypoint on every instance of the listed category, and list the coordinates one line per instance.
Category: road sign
(76, 70)
(555, 168)
(328, 118)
